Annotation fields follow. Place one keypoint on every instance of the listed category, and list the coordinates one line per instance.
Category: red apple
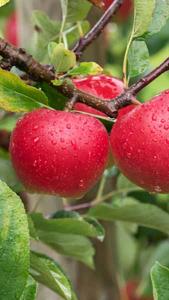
(129, 292)
(58, 152)
(103, 86)
(125, 9)
(140, 144)
(11, 30)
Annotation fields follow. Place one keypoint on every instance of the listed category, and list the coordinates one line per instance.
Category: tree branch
(25, 62)
(129, 94)
(39, 72)
(5, 64)
(139, 85)
(85, 41)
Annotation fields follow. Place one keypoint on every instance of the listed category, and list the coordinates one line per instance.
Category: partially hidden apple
(124, 11)
(102, 86)
(57, 152)
(140, 143)
(11, 29)
(129, 291)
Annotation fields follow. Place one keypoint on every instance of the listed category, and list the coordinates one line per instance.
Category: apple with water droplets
(140, 143)
(57, 152)
(102, 86)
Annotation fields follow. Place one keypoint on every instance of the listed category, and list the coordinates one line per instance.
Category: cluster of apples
(65, 153)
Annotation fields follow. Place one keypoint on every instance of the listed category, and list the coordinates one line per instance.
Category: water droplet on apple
(36, 140)
(68, 126)
(166, 126)
(154, 117)
(35, 163)
(128, 155)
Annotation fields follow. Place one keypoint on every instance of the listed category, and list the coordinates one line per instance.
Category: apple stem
(97, 29)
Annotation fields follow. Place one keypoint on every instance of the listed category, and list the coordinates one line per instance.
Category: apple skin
(140, 144)
(56, 152)
(11, 30)
(103, 86)
(124, 11)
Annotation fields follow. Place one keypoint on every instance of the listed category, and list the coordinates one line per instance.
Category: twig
(84, 42)
(71, 103)
(24, 61)
(102, 199)
(5, 64)
(39, 72)
(140, 84)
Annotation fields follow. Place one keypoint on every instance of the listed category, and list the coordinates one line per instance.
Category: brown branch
(5, 64)
(139, 85)
(24, 61)
(71, 102)
(85, 41)
(28, 64)
(142, 83)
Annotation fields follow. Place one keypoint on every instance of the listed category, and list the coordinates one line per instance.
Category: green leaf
(8, 122)
(132, 211)
(75, 10)
(62, 59)
(75, 32)
(143, 16)
(49, 273)
(32, 229)
(56, 99)
(124, 183)
(30, 290)
(142, 21)
(8, 175)
(78, 226)
(86, 68)
(160, 254)
(14, 245)
(46, 26)
(16, 96)
(160, 281)
(160, 17)
(71, 245)
(138, 58)
(47, 30)
(3, 2)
